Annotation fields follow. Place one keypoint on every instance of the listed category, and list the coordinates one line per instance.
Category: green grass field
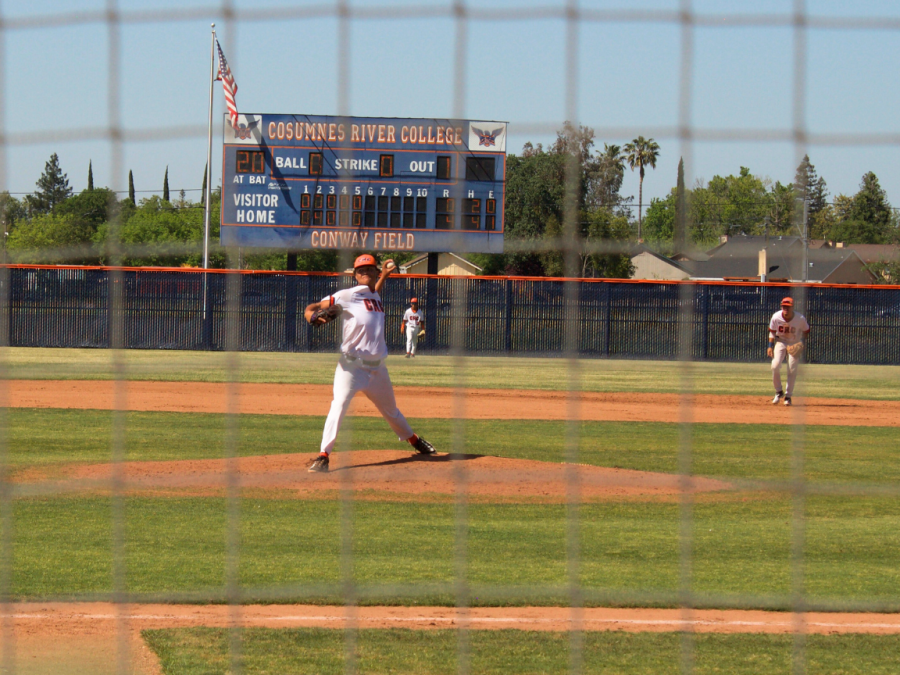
(44, 437)
(383, 652)
(403, 552)
(629, 552)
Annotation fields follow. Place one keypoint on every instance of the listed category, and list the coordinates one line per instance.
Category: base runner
(413, 322)
(787, 333)
(363, 354)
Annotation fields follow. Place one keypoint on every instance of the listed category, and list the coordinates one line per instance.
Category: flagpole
(207, 193)
(206, 196)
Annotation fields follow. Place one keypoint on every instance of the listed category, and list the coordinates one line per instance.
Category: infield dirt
(435, 402)
(89, 633)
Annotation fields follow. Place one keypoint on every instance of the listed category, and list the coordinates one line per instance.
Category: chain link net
(571, 311)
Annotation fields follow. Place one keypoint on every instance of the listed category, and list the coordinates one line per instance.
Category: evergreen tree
(203, 188)
(131, 187)
(53, 188)
(680, 235)
(810, 186)
(870, 204)
(90, 176)
(864, 218)
(166, 186)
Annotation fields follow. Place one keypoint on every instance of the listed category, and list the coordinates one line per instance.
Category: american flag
(229, 85)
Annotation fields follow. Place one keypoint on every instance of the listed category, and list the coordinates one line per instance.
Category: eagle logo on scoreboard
(487, 136)
(248, 130)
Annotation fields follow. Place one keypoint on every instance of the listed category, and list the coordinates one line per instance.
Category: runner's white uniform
(413, 321)
(362, 363)
(786, 333)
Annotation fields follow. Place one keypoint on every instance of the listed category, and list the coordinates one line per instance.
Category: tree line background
(566, 194)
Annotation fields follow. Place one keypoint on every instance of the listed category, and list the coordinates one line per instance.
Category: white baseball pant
(793, 365)
(412, 338)
(351, 377)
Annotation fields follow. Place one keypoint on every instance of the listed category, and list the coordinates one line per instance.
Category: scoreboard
(379, 184)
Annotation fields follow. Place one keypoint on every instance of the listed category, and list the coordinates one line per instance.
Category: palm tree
(641, 152)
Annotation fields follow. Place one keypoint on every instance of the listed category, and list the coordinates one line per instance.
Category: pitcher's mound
(390, 472)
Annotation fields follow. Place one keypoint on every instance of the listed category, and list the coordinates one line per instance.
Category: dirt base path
(438, 402)
(92, 638)
(60, 618)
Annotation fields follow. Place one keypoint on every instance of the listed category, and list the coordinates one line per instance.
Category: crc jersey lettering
(362, 322)
(789, 332)
(412, 318)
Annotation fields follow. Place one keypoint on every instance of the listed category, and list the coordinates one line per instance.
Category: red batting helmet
(787, 302)
(416, 300)
(365, 259)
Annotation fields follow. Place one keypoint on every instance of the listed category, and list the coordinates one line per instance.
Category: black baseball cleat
(319, 465)
(787, 400)
(423, 447)
(778, 397)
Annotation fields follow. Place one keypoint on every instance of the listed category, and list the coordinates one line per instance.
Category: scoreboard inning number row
(300, 182)
(407, 207)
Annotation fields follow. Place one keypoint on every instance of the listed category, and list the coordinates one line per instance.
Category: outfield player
(363, 353)
(413, 322)
(786, 328)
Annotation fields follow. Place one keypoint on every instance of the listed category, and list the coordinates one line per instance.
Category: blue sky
(56, 67)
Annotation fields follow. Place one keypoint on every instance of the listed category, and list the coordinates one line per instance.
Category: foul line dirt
(65, 617)
(54, 637)
(438, 402)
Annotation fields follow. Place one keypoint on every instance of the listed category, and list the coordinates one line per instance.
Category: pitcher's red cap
(787, 302)
(416, 300)
(365, 259)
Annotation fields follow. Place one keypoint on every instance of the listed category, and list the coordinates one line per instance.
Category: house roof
(424, 256)
(690, 253)
(640, 248)
(739, 258)
(875, 252)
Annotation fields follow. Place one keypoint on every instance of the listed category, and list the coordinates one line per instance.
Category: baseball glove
(795, 350)
(422, 333)
(323, 316)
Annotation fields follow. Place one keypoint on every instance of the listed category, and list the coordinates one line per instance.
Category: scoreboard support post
(431, 300)
(290, 302)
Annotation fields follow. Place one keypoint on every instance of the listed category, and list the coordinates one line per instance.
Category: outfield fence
(179, 309)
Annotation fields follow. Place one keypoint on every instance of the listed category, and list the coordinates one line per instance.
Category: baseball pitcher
(787, 334)
(413, 325)
(363, 354)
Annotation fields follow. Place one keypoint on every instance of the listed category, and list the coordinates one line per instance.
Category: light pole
(805, 240)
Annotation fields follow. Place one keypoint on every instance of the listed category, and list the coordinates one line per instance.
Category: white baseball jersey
(413, 319)
(789, 332)
(362, 322)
